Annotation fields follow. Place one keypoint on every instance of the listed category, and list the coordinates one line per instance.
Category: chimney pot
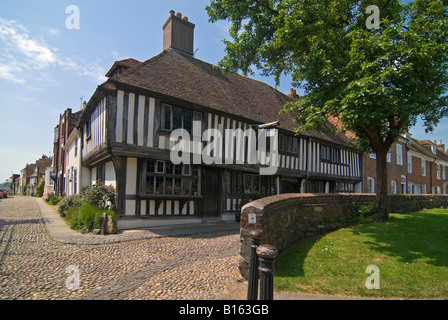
(178, 33)
(185, 18)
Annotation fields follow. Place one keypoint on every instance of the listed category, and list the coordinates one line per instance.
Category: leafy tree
(377, 81)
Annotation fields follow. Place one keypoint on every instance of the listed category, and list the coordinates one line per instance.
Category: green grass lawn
(410, 250)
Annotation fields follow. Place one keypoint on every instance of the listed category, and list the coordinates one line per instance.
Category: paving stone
(34, 266)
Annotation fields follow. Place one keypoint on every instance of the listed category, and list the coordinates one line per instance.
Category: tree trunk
(380, 210)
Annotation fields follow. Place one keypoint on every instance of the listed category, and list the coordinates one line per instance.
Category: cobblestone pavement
(33, 266)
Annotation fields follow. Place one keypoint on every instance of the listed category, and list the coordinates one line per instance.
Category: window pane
(178, 169)
(248, 184)
(280, 142)
(177, 118)
(240, 183)
(197, 124)
(264, 185)
(186, 169)
(194, 187)
(187, 186)
(165, 122)
(160, 166)
(169, 167)
(149, 185)
(256, 184)
(234, 183)
(168, 185)
(177, 186)
(188, 118)
(159, 185)
(195, 170)
(150, 166)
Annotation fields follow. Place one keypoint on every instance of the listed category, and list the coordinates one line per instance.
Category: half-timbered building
(126, 138)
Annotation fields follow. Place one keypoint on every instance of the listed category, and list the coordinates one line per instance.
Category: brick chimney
(441, 146)
(292, 93)
(178, 33)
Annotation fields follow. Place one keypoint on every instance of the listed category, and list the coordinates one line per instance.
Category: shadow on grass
(290, 262)
(410, 237)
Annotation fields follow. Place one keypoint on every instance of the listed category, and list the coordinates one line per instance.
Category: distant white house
(74, 181)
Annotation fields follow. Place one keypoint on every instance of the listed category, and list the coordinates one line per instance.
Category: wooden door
(211, 192)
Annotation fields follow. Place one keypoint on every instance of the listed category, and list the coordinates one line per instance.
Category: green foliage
(407, 249)
(52, 199)
(87, 217)
(71, 216)
(40, 188)
(98, 195)
(69, 202)
(376, 82)
(365, 210)
(84, 211)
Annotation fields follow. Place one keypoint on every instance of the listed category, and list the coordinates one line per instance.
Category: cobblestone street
(33, 266)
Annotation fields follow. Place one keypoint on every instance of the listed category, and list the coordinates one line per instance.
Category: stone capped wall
(287, 218)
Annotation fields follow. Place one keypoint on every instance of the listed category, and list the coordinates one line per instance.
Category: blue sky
(46, 68)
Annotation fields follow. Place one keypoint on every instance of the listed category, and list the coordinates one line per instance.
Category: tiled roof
(418, 146)
(176, 75)
(126, 63)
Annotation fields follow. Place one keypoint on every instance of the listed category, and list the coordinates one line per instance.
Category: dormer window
(433, 149)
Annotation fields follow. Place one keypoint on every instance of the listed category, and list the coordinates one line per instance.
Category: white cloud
(52, 32)
(7, 72)
(20, 54)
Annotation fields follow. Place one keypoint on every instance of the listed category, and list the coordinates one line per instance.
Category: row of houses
(29, 177)
(413, 167)
(123, 137)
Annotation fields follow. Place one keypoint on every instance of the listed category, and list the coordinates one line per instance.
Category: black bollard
(252, 288)
(267, 254)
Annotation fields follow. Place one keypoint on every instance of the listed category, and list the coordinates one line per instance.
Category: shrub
(69, 202)
(52, 199)
(365, 210)
(99, 196)
(40, 188)
(87, 217)
(71, 216)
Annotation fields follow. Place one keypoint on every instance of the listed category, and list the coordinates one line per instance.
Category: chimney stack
(178, 33)
(292, 93)
(441, 146)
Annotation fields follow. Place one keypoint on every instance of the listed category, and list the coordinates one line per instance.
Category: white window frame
(370, 185)
(423, 168)
(409, 163)
(438, 171)
(399, 155)
(393, 185)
